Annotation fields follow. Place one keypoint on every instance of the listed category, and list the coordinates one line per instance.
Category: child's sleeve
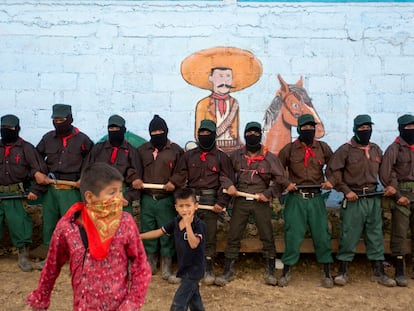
(140, 269)
(58, 254)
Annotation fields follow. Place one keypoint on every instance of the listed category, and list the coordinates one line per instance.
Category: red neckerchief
(221, 101)
(411, 147)
(7, 150)
(365, 148)
(308, 153)
(257, 158)
(114, 153)
(65, 138)
(98, 243)
(155, 154)
(203, 156)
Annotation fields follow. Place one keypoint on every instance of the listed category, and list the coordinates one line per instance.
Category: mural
(221, 70)
(291, 101)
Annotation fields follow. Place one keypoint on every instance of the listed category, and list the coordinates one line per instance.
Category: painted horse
(291, 101)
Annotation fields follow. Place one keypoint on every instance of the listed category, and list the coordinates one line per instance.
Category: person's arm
(58, 254)
(140, 269)
(153, 234)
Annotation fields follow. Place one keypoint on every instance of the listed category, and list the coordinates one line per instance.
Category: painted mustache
(227, 86)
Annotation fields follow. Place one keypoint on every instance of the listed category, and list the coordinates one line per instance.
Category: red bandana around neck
(203, 156)
(411, 147)
(101, 221)
(113, 155)
(308, 153)
(221, 102)
(261, 157)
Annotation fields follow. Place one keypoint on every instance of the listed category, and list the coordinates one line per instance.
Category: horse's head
(296, 102)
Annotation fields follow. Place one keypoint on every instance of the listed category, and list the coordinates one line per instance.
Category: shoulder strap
(84, 237)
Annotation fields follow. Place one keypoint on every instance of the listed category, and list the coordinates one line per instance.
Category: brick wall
(105, 57)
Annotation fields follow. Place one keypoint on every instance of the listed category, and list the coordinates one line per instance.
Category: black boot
(378, 274)
(285, 277)
(165, 267)
(209, 276)
(269, 275)
(152, 260)
(399, 265)
(228, 273)
(342, 277)
(23, 259)
(327, 280)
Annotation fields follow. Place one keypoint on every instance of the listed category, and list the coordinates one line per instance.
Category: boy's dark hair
(184, 193)
(97, 176)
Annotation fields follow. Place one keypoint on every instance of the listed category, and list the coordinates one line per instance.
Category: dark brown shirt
(64, 156)
(20, 164)
(204, 174)
(124, 158)
(259, 174)
(158, 168)
(397, 165)
(292, 157)
(350, 170)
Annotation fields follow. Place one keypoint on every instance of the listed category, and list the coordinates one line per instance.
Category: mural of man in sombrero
(221, 70)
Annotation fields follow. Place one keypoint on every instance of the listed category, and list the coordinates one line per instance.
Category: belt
(67, 176)
(62, 187)
(12, 188)
(407, 186)
(307, 194)
(158, 196)
(364, 190)
(206, 192)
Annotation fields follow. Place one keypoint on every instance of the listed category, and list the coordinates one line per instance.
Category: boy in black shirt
(189, 233)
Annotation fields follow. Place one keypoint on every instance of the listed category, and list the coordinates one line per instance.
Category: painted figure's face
(222, 80)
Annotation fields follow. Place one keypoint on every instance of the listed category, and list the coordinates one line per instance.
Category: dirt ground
(246, 292)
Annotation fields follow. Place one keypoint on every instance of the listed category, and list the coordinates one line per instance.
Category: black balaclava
(407, 134)
(116, 138)
(362, 137)
(253, 142)
(207, 142)
(307, 137)
(159, 140)
(9, 136)
(64, 128)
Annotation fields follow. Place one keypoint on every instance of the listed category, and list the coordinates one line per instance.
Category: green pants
(154, 215)
(299, 213)
(363, 216)
(55, 204)
(262, 214)
(18, 221)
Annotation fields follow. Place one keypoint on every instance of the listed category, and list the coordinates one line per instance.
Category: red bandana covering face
(101, 221)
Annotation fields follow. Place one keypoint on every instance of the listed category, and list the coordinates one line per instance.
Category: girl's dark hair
(97, 176)
(185, 193)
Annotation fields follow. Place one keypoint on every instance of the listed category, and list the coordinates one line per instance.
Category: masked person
(116, 151)
(204, 169)
(397, 176)
(108, 265)
(353, 170)
(20, 165)
(257, 171)
(305, 159)
(158, 159)
(64, 149)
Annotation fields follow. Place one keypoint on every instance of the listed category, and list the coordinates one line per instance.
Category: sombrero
(246, 68)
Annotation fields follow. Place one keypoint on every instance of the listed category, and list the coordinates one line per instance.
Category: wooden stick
(63, 182)
(207, 207)
(245, 194)
(153, 186)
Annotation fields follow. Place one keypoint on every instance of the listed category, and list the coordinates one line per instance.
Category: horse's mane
(301, 93)
(271, 113)
(273, 110)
